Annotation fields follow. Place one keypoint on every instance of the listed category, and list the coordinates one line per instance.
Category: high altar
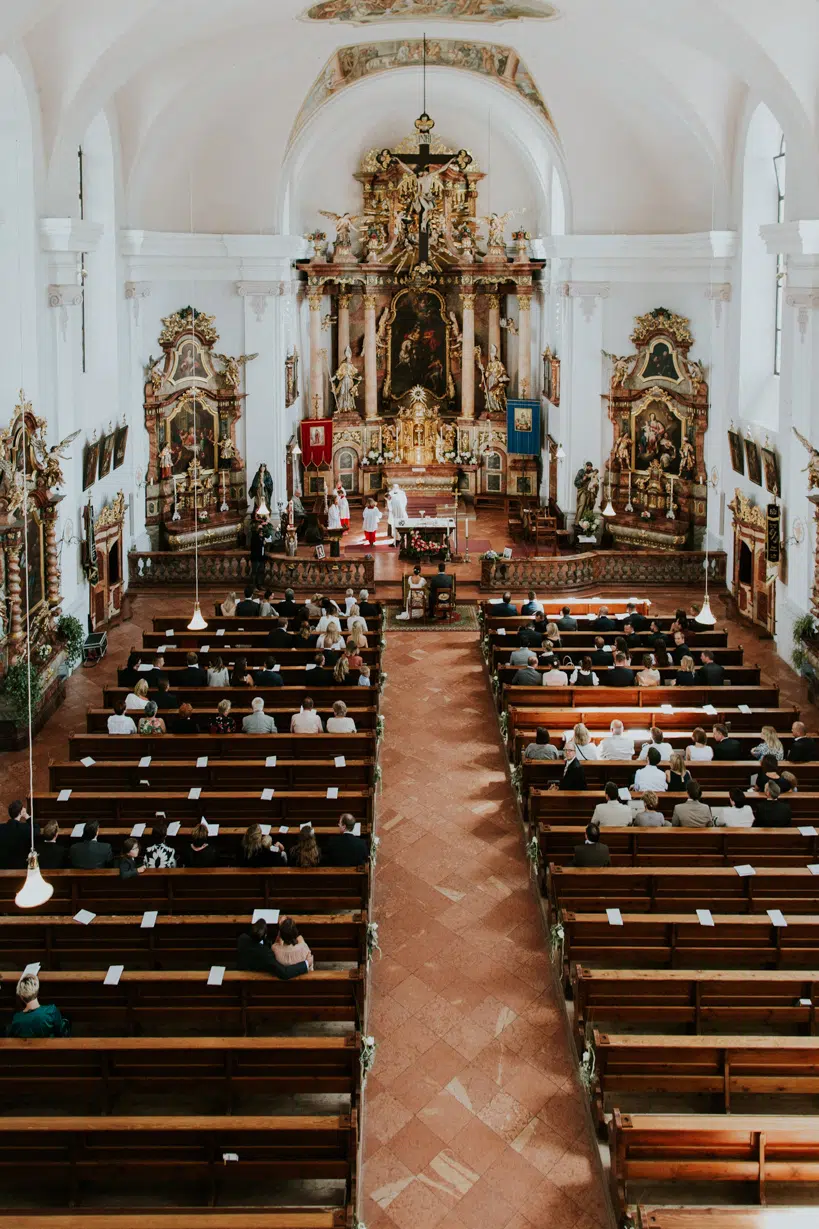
(419, 391)
(658, 403)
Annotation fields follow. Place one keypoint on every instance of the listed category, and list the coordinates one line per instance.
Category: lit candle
(467, 529)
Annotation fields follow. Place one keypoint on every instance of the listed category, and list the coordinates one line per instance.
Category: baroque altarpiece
(192, 405)
(415, 364)
(658, 404)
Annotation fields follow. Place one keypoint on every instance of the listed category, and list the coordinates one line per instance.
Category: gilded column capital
(524, 302)
(494, 302)
(467, 301)
(369, 302)
(344, 298)
(314, 299)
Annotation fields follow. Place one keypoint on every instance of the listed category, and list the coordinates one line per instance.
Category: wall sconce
(797, 536)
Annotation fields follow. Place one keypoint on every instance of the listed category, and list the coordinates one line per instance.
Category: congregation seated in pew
(259, 849)
(35, 1019)
(593, 851)
(770, 745)
(737, 815)
(255, 953)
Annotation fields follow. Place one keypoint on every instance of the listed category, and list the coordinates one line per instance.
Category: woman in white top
(358, 629)
(332, 638)
(326, 621)
(340, 723)
(585, 749)
(354, 617)
(698, 750)
(218, 674)
(649, 676)
(349, 601)
(738, 815)
(416, 599)
(333, 513)
(138, 698)
(229, 604)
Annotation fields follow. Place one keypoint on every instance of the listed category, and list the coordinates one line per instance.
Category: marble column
(316, 407)
(587, 430)
(263, 407)
(468, 355)
(370, 359)
(343, 324)
(138, 458)
(524, 344)
(493, 301)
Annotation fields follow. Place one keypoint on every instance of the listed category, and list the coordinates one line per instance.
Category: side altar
(417, 299)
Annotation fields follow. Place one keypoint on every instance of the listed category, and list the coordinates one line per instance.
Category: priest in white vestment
(396, 511)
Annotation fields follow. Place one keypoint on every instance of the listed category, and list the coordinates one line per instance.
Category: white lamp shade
(197, 623)
(560, 454)
(609, 509)
(706, 616)
(263, 509)
(296, 450)
(35, 891)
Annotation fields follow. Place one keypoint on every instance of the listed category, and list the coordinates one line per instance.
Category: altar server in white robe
(396, 511)
(371, 518)
(333, 513)
(343, 506)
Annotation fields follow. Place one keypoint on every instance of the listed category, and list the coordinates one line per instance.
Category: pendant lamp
(609, 509)
(706, 617)
(35, 891)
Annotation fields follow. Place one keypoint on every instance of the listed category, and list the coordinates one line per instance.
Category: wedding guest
(290, 948)
(649, 676)
(306, 720)
(340, 723)
(651, 817)
(200, 853)
(738, 815)
(768, 771)
(259, 849)
(160, 854)
(772, 812)
(651, 776)
(223, 723)
(364, 676)
(657, 740)
(149, 723)
(306, 853)
(185, 722)
(612, 813)
(218, 673)
(541, 748)
(770, 745)
(138, 698)
(803, 749)
(698, 750)
(593, 852)
(677, 775)
(118, 723)
(693, 813)
(618, 745)
(583, 675)
(36, 1020)
(685, 676)
(583, 745)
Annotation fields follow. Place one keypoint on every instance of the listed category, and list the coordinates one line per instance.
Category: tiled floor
(473, 1117)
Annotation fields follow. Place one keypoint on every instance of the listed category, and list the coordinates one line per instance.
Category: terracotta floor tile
(413, 993)
(450, 1173)
(484, 1207)
(385, 1176)
(419, 1206)
(386, 1115)
(547, 1205)
(472, 1088)
(468, 1038)
(506, 1116)
(445, 1115)
(513, 1177)
(415, 1145)
(478, 1145)
(542, 1145)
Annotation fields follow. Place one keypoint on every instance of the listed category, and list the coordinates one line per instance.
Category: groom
(441, 581)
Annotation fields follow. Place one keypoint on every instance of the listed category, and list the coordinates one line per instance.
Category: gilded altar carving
(112, 514)
(746, 512)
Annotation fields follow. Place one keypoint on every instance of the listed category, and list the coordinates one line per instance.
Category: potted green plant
(72, 635)
(805, 645)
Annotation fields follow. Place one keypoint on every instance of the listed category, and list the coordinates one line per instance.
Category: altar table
(439, 529)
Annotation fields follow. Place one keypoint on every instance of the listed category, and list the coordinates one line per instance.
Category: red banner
(317, 441)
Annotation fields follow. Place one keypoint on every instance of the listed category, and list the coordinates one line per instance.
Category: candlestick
(670, 513)
(223, 507)
(176, 516)
(629, 506)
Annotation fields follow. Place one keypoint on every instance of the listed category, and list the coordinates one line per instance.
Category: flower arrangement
(645, 515)
(589, 525)
(419, 548)
(466, 458)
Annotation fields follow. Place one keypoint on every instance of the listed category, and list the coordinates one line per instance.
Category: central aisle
(473, 1117)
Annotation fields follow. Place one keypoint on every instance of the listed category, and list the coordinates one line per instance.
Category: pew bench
(583, 637)
(639, 721)
(685, 699)
(161, 623)
(560, 807)
(148, 1001)
(255, 652)
(92, 1218)
(712, 775)
(292, 807)
(707, 1148)
(648, 1216)
(693, 847)
(679, 740)
(699, 1001)
(288, 696)
(740, 676)
(580, 606)
(365, 718)
(230, 774)
(105, 746)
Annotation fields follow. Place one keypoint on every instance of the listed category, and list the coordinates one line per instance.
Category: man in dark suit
(531, 606)
(638, 621)
(50, 852)
(601, 656)
(725, 747)
(709, 673)
(441, 581)
(679, 648)
(528, 675)
(253, 954)
(631, 637)
(128, 868)
(506, 607)
(619, 675)
(259, 532)
(573, 775)
(772, 812)
(593, 852)
(279, 637)
(366, 608)
(89, 854)
(15, 838)
(529, 636)
(321, 675)
(346, 849)
(566, 623)
(165, 698)
(193, 675)
(604, 621)
(248, 607)
(289, 608)
(268, 677)
(803, 749)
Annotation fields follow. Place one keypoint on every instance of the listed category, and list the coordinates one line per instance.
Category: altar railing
(640, 568)
(231, 569)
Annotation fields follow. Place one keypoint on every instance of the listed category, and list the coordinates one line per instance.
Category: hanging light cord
(28, 626)
(195, 449)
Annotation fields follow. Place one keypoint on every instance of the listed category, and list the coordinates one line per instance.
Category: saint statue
(622, 452)
(587, 485)
(261, 488)
(165, 461)
(345, 383)
(493, 381)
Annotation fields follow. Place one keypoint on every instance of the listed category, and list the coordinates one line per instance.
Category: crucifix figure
(426, 170)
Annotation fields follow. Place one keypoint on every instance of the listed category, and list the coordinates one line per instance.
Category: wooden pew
(684, 699)
(69, 1159)
(673, 1148)
(585, 637)
(286, 806)
(740, 677)
(672, 847)
(91, 1218)
(240, 697)
(560, 807)
(720, 1066)
(93, 1073)
(255, 650)
(714, 775)
(679, 740)
(148, 1001)
(670, 889)
(289, 775)
(104, 746)
(648, 1216)
(699, 1001)
(96, 720)
(162, 623)
(638, 721)
(220, 890)
(581, 606)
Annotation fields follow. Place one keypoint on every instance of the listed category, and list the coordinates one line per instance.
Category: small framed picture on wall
(737, 453)
(770, 468)
(754, 461)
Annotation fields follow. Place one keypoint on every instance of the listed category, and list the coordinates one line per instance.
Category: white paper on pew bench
(144, 669)
(332, 791)
(161, 648)
(264, 829)
(64, 795)
(340, 761)
(220, 632)
(806, 1003)
(138, 830)
(705, 917)
(501, 631)
(144, 781)
(194, 792)
(202, 761)
(284, 828)
(216, 974)
(270, 762)
(777, 917)
(78, 830)
(148, 919)
(667, 709)
(161, 815)
(173, 829)
(267, 794)
(623, 794)
(745, 870)
(230, 1156)
(204, 648)
(87, 762)
(709, 709)
(744, 708)
(170, 632)
(266, 915)
(810, 831)
(113, 975)
(145, 762)
(356, 829)
(85, 917)
(32, 969)
(615, 917)
(307, 824)
(495, 601)
(814, 868)
(311, 665)
(213, 829)
(277, 667)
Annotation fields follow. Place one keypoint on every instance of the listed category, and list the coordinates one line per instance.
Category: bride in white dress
(416, 599)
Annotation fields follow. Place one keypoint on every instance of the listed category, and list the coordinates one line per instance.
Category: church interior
(380, 380)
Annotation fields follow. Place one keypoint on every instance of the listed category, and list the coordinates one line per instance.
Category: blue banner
(523, 428)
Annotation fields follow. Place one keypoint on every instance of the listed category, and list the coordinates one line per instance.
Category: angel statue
(52, 473)
(230, 367)
(506, 322)
(345, 383)
(493, 380)
(153, 372)
(622, 366)
(696, 372)
(812, 467)
(345, 224)
(496, 223)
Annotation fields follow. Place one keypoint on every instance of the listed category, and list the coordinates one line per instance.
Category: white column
(263, 408)
(586, 421)
(799, 407)
(343, 302)
(524, 344)
(138, 451)
(370, 359)
(468, 354)
(716, 454)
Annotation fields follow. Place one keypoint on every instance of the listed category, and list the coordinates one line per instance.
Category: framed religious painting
(193, 431)
(106, 455)
(754, 461)
(657, 435)
(120, 444)
(418, 331)
(32, 562)
(89, 465)
(737, 452)
(770, 468)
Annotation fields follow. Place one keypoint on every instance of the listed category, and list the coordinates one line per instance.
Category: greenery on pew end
(72, 635)
(804, 636)
(19, 678)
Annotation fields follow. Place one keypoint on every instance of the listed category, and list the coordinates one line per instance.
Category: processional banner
(317, 441)
(523, 427)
